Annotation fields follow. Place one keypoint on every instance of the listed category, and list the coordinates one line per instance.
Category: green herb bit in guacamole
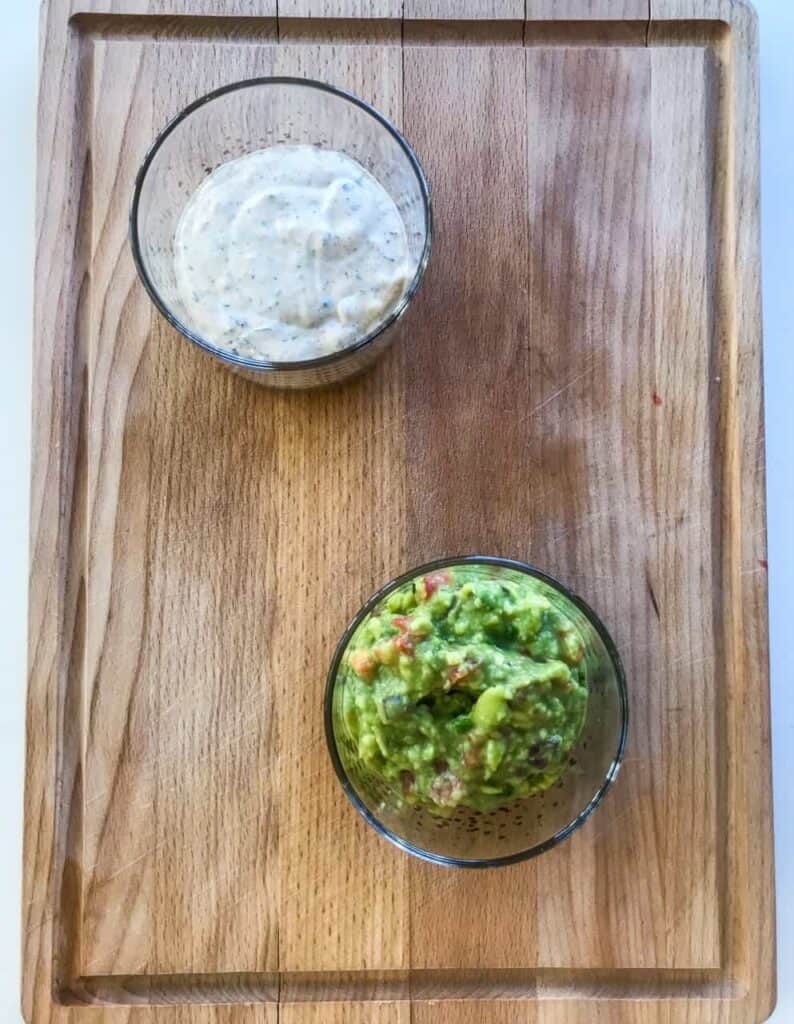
(465, 689)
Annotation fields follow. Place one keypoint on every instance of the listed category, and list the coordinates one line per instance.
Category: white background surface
(18, 63)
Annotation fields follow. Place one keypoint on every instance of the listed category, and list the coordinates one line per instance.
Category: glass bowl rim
(595, 800)
(268, 365)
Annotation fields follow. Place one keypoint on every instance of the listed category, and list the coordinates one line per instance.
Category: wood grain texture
(749, 946)
(590, 320)
(155, 791)
(459, 9)
(187, 1014)
(340, 8)
(477, 341)
(588, 10)
(53, 782)
(590, 409)
(474, 1011)
(345, 1013)
(740, 14)
(343, 902)
(193, 8)
(686, 161)
(184, 654)
(752, 946)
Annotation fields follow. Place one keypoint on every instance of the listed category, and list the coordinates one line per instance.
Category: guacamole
(465, 687)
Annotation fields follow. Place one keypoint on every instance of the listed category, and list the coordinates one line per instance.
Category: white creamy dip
(290, 253)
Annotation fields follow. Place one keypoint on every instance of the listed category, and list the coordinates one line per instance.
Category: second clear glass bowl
(253, 115)
(521, 828)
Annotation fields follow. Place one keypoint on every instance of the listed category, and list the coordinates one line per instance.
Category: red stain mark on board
(763, 563)
(657, 398)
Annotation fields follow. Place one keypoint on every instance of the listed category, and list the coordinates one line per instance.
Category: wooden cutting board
(581, 388)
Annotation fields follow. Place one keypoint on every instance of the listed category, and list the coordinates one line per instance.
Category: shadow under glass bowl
(252, 115)
(521, 828)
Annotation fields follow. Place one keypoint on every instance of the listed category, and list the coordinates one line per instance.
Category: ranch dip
(290, 253)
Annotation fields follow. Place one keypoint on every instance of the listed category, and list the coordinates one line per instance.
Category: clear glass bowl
(519, 829)
(252, 115)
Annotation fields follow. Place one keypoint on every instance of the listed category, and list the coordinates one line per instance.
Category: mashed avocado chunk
(465, 688)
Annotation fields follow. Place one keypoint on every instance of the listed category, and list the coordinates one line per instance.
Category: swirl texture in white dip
(290, 253)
